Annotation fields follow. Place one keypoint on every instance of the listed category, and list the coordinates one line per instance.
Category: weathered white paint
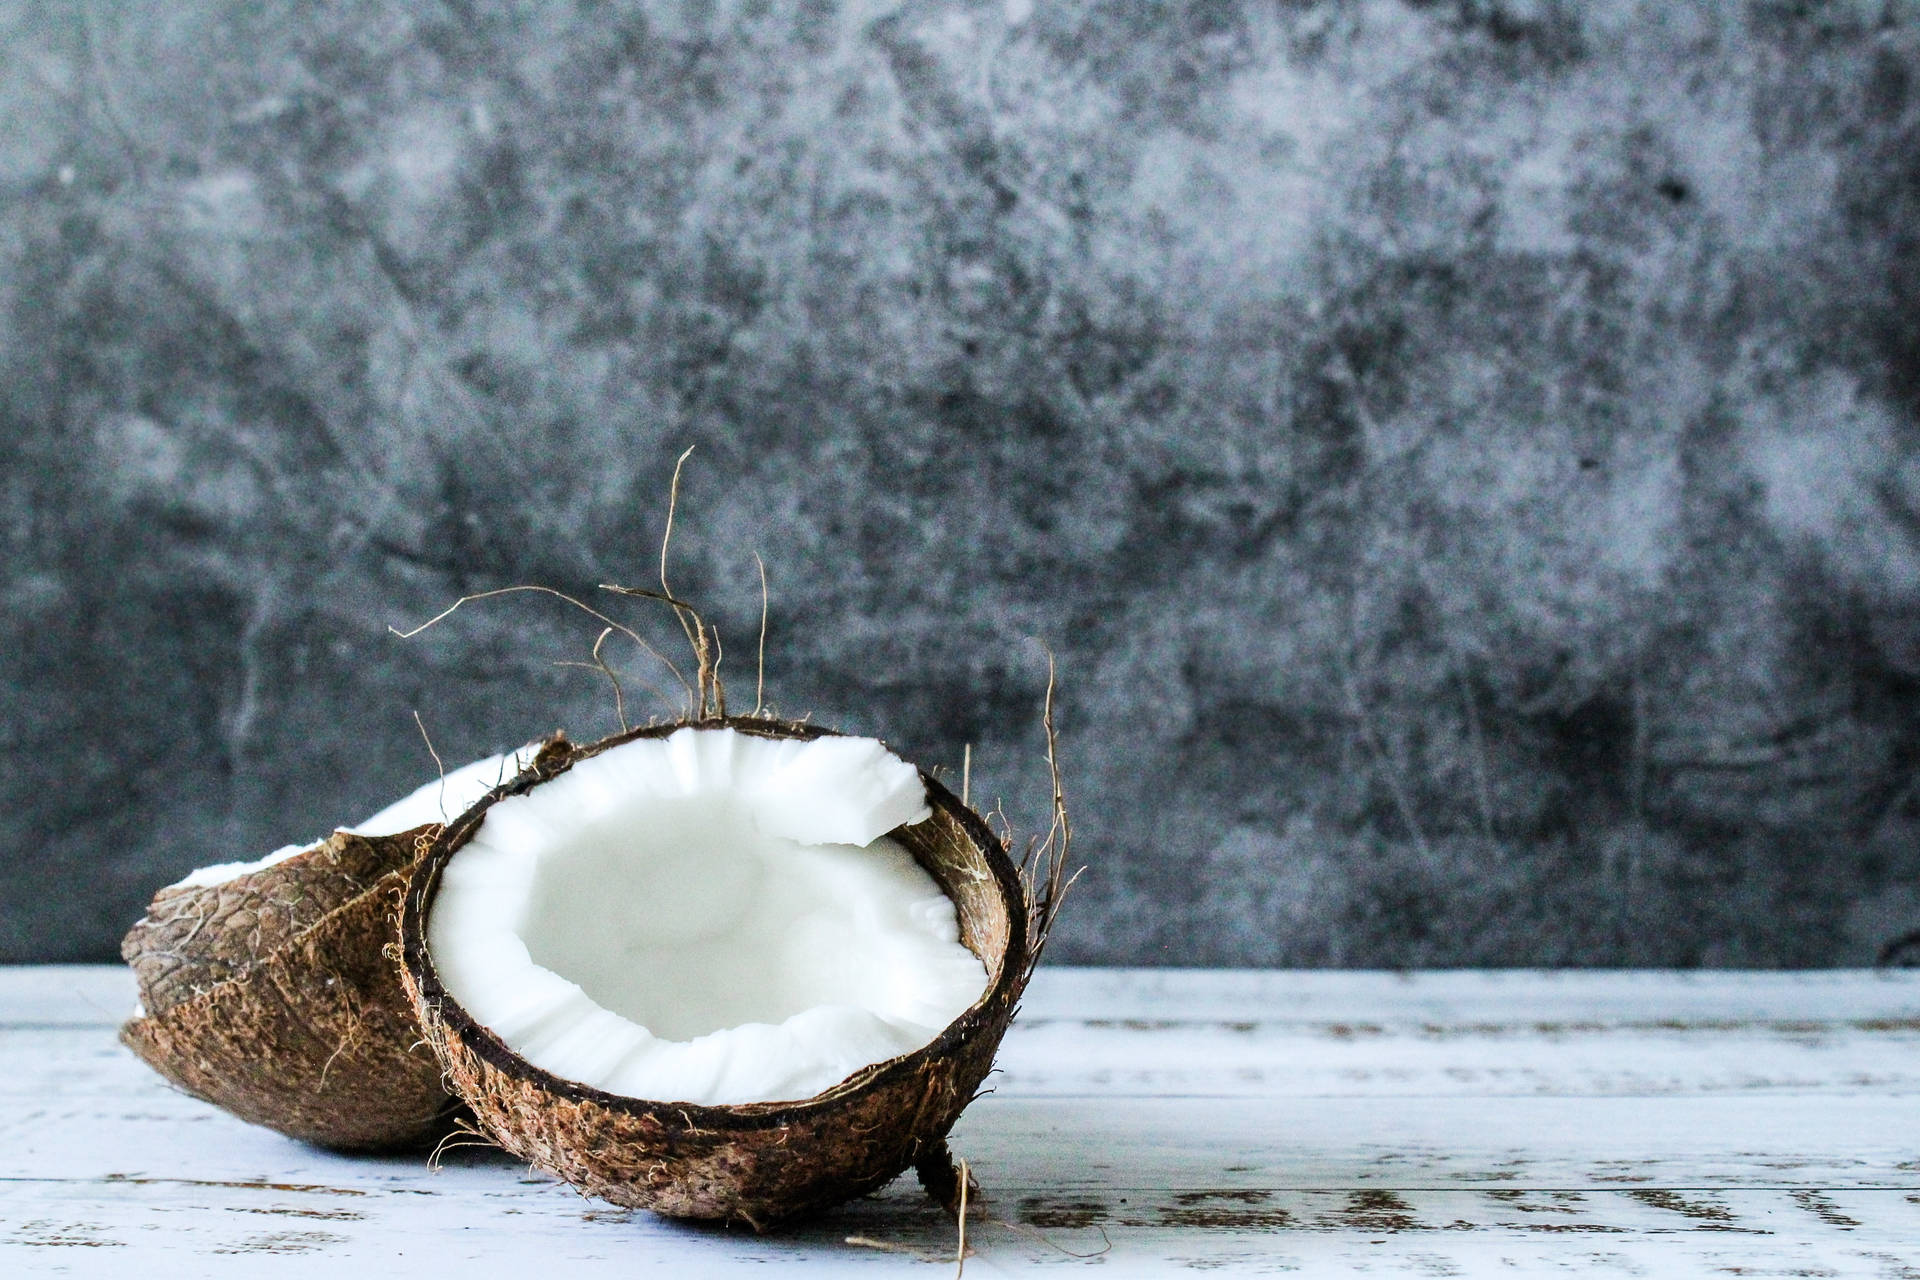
(1164, 1122)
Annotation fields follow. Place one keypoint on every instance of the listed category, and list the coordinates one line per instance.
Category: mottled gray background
(1465, 455)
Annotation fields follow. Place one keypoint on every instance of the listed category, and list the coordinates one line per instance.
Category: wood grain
(1147, 1123)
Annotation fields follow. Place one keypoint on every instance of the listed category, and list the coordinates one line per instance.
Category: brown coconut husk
(193, 939)
(315, 1039)
(277, 995)
(762, 1163)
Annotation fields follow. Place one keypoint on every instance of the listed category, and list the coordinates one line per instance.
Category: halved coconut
(738, 970)
(270, 988)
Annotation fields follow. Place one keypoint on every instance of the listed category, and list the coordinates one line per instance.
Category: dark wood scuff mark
(1215, 1209)
(1238, 1196)
(1619, 1171)
(1824, 1209)
(1567, 1202)
(298, 1188)
(1222, 1219)
(1674, 1202)
(607, 1215)
(284, 1242)
(44, 1234)
(1376, 1211)
(1064, 1215)
(1354, 1030)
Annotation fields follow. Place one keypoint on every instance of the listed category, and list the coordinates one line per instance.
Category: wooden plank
(485, 1215)
(65, 995)
(1262, 1059)
(101, 995)
(1107, 1059)
(1473, 997)
(1147, 1124)
(1177, 1143)
(1104, 1056)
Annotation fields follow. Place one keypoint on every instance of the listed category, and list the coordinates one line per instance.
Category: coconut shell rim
(424, 881)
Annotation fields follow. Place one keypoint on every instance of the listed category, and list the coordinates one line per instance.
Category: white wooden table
(1146, 1123)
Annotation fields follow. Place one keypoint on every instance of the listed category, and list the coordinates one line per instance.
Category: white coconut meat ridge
(711, 917)
(435, 801)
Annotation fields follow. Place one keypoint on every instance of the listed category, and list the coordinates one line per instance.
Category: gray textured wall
(1465, 455)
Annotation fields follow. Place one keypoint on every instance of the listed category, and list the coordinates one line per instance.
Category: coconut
(539, 942)
(270, 989)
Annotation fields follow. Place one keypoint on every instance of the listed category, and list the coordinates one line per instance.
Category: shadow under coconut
(467, 1152)
(898, 1218)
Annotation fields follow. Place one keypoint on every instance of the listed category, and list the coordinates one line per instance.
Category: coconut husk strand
(276, 995)
(759, 1163)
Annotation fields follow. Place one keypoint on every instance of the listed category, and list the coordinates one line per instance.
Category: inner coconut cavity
(711, 917)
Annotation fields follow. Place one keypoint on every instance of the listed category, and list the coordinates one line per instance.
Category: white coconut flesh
(435, 801)
(711, 917)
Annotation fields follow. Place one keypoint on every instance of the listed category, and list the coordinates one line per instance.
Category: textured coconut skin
(193, 939)
(316, 1040)
(277, 995)
(755, 1164)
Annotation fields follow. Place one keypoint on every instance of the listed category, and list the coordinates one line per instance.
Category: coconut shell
(761, 1163)
(194, 938)
(277, 994)
(316, 1039)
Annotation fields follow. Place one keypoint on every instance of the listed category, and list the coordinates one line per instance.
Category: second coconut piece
(268, 987)
(740, 970)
